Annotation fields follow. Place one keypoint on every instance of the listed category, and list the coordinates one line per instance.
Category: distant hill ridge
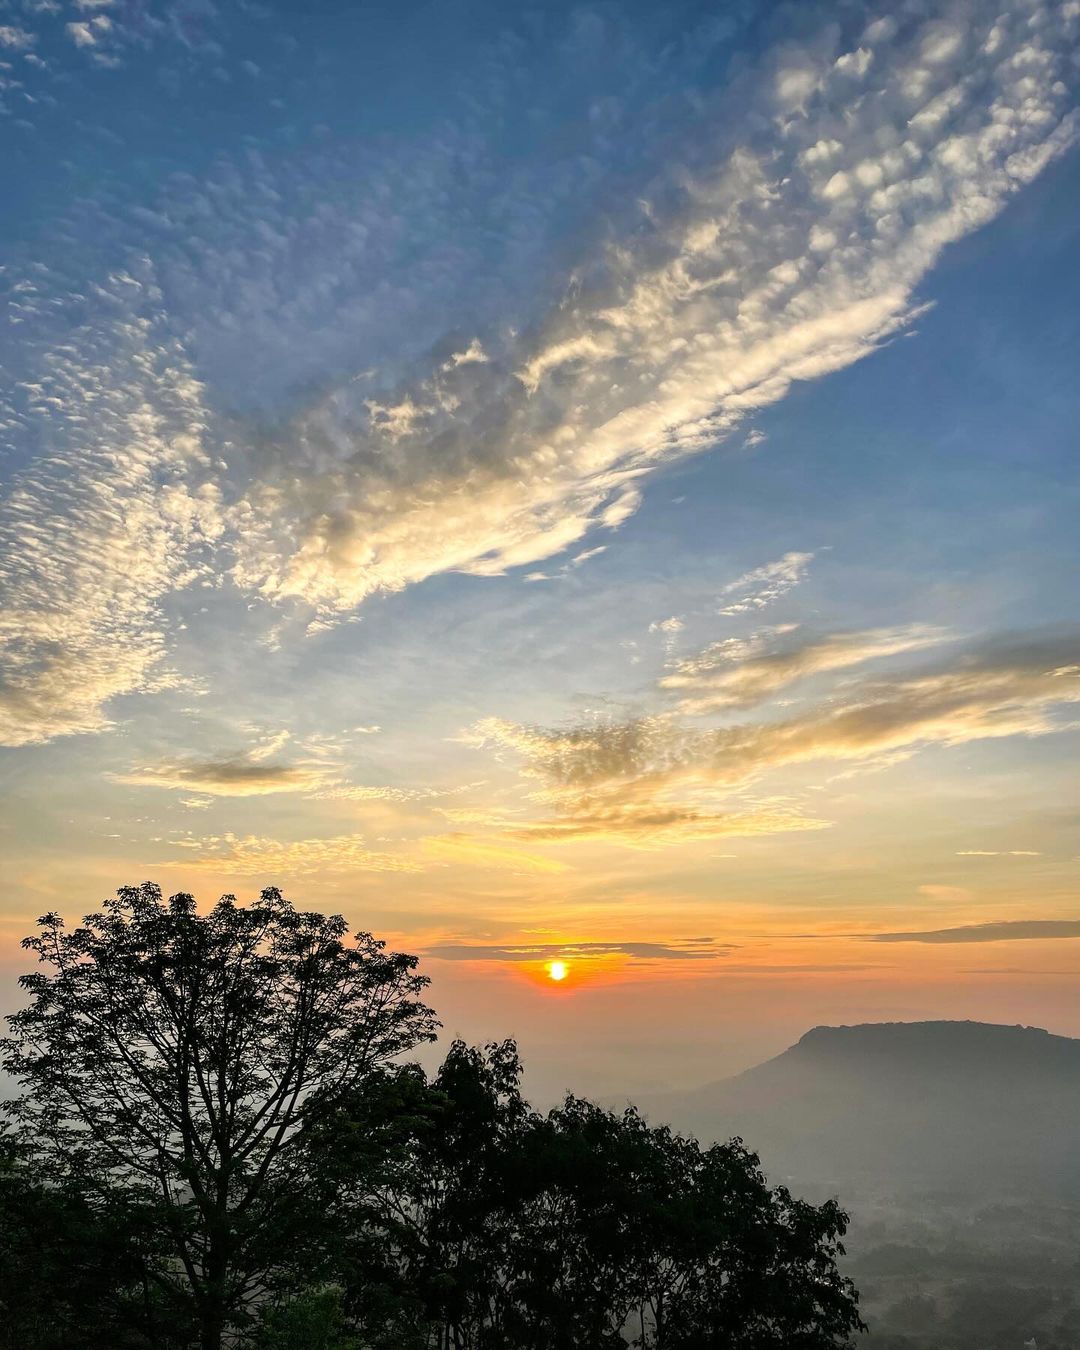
(940, 1044)
(904, 1105)
(926, 1033)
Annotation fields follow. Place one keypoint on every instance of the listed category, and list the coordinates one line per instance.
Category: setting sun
(557, 970)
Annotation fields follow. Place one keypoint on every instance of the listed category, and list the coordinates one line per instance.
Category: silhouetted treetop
(175, 1056)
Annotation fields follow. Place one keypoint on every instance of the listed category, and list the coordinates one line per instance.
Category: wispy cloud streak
(812, 197)
(254, 855)
(742, 672)
(1005, 930)
(695, 949)
(664, 776)
(778, 232)
(117, 510)
(759, 588)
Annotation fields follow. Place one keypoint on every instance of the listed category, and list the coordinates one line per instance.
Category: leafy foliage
(313, 1320)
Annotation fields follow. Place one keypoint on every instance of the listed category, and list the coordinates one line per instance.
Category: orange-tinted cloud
(665, 778)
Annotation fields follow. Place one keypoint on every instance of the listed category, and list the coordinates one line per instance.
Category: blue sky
(557, 475)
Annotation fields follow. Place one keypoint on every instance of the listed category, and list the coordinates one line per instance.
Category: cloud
(239, 776)
(1018, 970)
(998, 853)
(386, 793)
(106, 38)
(632, 782)
(953, 895)
(269, 746)
(250, 773)
(381, 793)
(739, 673)
(87, 34)
(759, 588)
(251, 855)
(669, 629)
(662, 777)
(695, 949)
(1006, 930)
(632, 823)
(116, 512)
(578, 560)
(781, 242)
(690, 949)
(15, 38)
(776, 230)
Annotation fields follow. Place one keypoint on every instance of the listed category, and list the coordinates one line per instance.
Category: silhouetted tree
(469, 1222)
(217, 1140)
(169, 1061)
(73, 1275)
(414, 1175)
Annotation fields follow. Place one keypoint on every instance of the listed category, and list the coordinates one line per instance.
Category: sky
(584, 483)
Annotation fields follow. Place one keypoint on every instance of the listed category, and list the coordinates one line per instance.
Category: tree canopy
(169, 1060)
(220, 1134)
(467, 1220)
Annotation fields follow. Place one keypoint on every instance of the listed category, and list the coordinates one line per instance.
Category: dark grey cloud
(1018, 970)
(1006, 930)
(236, 776)
(686, 949)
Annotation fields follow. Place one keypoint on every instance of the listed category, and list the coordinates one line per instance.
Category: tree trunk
(212, 1312)
(212, 1330)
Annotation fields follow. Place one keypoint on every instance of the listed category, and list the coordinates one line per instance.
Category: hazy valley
(955, 1146)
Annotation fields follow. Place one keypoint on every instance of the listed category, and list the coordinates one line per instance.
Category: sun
(557, 970)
